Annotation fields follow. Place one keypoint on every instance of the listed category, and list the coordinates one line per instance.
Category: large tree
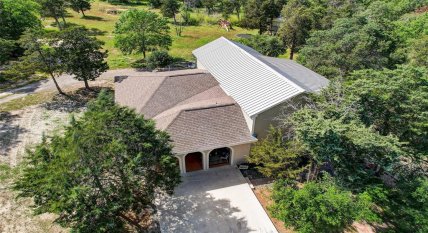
(170, 8)
(259, 14)
(15, 17)
(141, 31)
(297, 21)
(41, 50)
(80, 5)
(103, 173)
(55, 9)
(395, 102)
(351, 44)
(80, 54)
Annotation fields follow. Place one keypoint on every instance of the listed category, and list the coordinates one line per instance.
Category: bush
(319, 207)
(158, 59)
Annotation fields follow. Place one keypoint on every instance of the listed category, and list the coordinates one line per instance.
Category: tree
(406, 205)
(330, 130)
(80, 54)
(297, 23)
(209, 5)
(395, 102)
(230, 6)
(40, 52)
(103, 173)
(7, 47)
(155, 3)
(351, 44)
(80, 5)
(260, 14)
(55, 9)
(267, 45)
(15, 17)
(278, 158)
(320, 207)
(170, 8)
(139, 30)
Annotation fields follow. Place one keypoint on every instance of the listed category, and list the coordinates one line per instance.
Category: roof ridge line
(265, 65)
(153, 94)
(175, 118)
(208, 107)
(178, 75)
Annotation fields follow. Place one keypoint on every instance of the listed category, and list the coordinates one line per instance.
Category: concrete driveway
(214, 201)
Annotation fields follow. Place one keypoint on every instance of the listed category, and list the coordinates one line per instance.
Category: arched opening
(220, 157)
(194, 162)
(177, 161)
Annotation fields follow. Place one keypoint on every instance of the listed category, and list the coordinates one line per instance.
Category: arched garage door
(220, 157)
(194, 162)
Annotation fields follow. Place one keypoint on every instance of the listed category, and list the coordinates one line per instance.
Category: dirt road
(64, 81)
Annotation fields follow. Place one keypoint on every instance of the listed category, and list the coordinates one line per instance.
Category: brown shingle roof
(189, 105)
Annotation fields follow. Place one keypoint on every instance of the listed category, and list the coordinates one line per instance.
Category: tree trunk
(58, 23)
(175, 19)
(50, 71)
(83, 13)
(63, 20)
(237, 13)
(292, 52)
(86, 83)
(56, 84)
(144, 53)
(133, 223)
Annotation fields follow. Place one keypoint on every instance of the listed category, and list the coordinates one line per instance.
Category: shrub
(158, 59)
(319, 207)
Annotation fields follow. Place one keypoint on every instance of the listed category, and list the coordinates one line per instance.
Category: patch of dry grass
(29, 100)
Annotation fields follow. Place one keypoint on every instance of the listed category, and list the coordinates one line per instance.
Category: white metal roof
(254, 83)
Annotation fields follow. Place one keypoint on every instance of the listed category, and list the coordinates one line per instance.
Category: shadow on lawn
(9, 132)
(74, 101)
(95, 18)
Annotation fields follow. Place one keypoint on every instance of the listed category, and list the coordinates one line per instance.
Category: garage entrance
(194, 162)
(220, 157)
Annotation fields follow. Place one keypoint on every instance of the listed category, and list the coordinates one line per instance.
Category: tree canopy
(80, 54)
(141, 31)
(102, 175)
(267, 45)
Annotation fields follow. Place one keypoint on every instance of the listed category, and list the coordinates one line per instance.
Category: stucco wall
(240, 153)
(273, 116)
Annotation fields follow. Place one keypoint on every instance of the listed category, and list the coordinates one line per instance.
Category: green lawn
(192, 36)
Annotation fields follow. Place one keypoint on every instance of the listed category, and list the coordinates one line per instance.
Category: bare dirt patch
(20, 130)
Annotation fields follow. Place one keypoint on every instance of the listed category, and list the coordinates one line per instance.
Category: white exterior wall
(273, 117)
(239, 154)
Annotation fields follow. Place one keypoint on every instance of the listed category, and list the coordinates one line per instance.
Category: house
(214, 113)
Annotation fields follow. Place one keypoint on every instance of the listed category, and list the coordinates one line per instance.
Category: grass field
(192, 36)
